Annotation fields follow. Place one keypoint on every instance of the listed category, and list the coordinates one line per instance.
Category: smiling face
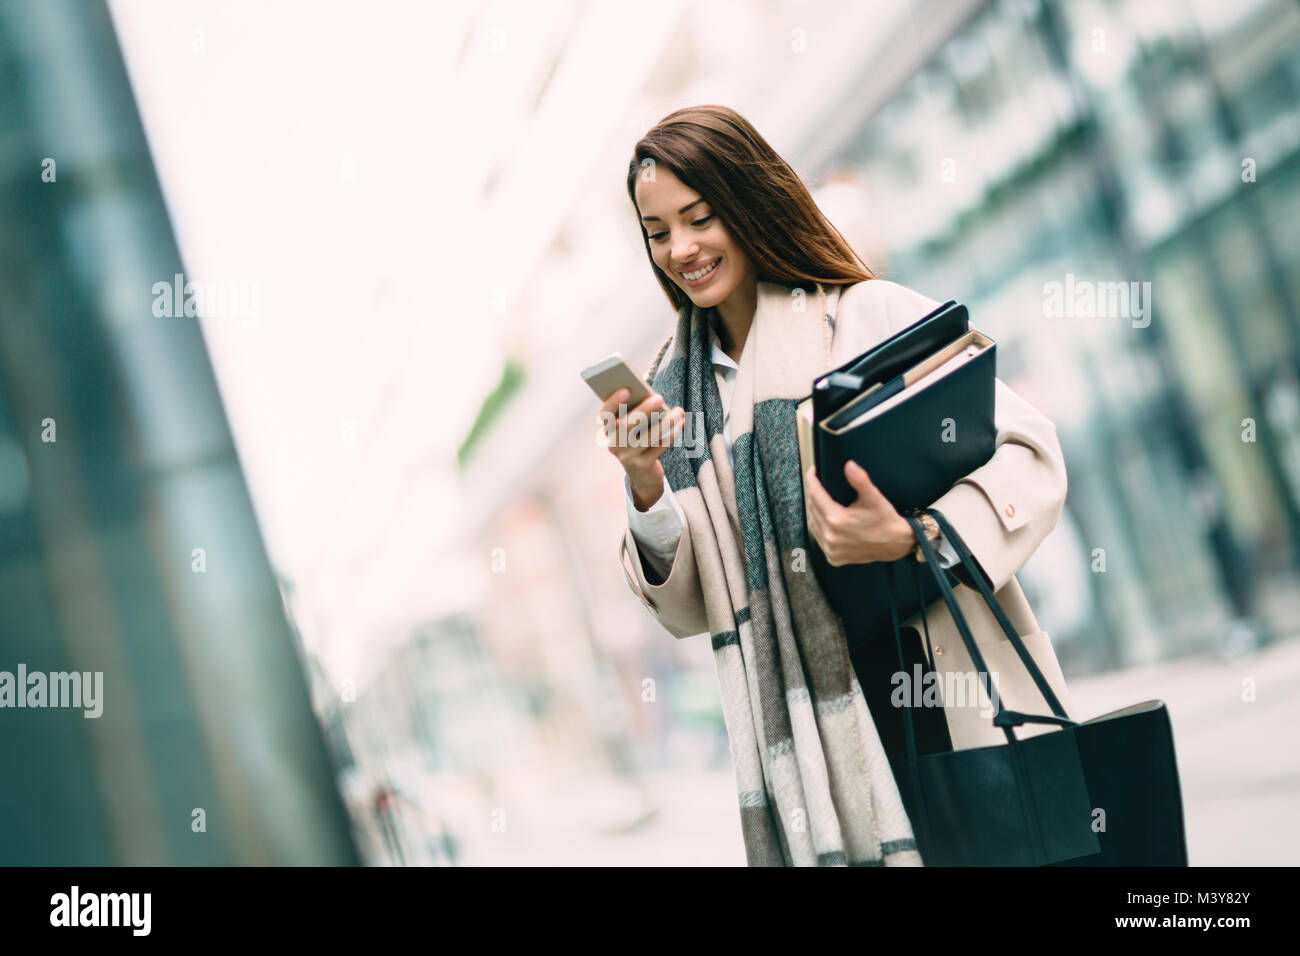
(688, 241)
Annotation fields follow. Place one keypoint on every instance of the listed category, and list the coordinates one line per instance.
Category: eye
(655, 237)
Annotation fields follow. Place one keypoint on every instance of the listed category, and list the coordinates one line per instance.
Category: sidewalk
(1240, 777)
(1240, 774)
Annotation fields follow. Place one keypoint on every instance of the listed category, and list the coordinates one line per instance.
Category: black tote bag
(1128, 761)
(1103, 792)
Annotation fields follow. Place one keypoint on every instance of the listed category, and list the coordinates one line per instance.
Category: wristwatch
(931, 533)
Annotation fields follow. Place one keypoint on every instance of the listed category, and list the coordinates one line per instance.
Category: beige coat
(1002, 510)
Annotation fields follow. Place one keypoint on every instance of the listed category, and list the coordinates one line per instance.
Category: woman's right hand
(639, 453)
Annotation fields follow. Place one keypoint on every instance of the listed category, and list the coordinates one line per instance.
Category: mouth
(702, 275)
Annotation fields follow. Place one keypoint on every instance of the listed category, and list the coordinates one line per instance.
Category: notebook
(913, 381)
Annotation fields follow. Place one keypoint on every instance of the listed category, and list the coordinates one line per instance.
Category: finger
(666, 429)
(650, 404)
(818, 495)
(814, 503)
(642, 418)
(662, 420)
(611, 404)
(817, 504)
(857, 477)
(607, 418)
(649, 434)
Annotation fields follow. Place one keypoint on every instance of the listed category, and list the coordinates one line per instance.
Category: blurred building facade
(128, 544)
(1040, 145)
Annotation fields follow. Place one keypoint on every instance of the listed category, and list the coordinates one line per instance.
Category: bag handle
(963, 553)
(1006, 719)
(1001, 718)
(981, 669)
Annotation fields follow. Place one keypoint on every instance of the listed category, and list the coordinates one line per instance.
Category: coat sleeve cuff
(1000, 534)
(657, 530)
(677, 602)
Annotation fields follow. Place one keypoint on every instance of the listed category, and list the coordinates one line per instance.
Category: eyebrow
(679, 212)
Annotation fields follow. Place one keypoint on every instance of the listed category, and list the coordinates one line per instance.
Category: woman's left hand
(870, 529)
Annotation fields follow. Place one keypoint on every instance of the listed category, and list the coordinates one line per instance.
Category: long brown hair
(762, 202)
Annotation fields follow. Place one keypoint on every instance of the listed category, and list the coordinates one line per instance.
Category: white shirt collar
(718, 356)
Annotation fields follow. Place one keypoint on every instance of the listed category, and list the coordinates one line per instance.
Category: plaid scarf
(815, 785)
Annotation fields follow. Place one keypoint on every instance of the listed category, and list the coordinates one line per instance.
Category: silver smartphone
(608, 376)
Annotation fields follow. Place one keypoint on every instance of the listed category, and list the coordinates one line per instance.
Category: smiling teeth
(702, 272)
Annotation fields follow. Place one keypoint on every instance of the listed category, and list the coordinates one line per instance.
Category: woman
(768, 296)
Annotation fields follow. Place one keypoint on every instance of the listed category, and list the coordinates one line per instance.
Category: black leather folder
(893, 356)
(915, 433)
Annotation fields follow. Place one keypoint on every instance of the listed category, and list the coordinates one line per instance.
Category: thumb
(858, 478)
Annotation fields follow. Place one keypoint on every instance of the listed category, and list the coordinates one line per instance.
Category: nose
(685, 250)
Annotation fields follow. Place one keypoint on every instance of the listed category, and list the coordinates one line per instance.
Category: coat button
(1010, 511)
(938, 651)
